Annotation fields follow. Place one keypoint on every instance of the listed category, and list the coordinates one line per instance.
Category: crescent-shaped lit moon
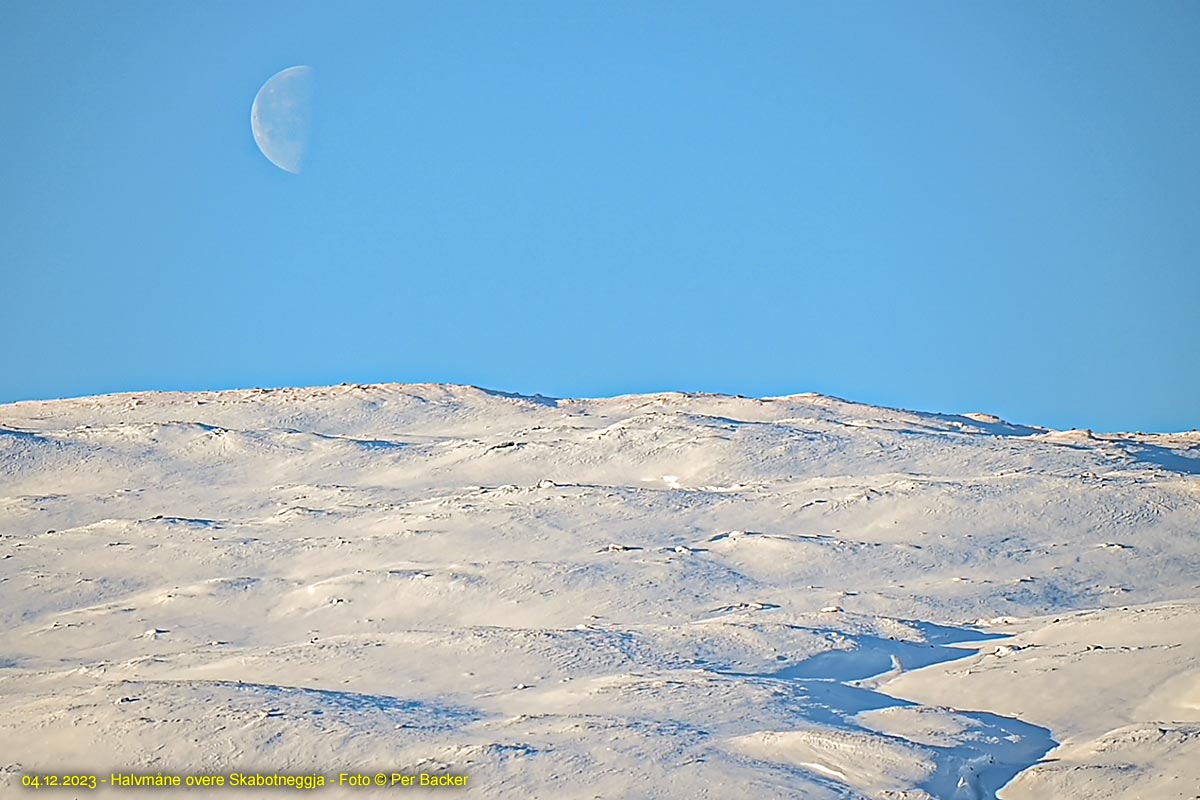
(281, 116)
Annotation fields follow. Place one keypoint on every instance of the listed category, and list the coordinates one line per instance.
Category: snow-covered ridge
(640, 596)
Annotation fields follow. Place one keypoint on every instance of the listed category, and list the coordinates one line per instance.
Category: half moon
(282, 115)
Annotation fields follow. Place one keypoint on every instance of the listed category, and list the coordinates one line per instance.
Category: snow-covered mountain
(654, 596)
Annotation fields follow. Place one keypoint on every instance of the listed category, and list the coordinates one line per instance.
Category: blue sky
(944, 206)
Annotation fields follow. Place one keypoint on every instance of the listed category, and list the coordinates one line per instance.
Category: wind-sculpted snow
(649, 596)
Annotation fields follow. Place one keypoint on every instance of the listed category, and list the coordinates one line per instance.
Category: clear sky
(952, 206)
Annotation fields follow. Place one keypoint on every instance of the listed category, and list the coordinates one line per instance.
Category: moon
(282, 115)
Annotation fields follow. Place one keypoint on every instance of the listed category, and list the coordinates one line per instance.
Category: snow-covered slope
(670, 595)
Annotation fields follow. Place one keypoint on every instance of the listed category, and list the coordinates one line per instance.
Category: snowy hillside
(660, 596)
